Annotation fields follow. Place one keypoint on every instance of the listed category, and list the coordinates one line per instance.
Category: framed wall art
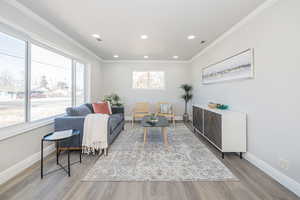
(239, 66)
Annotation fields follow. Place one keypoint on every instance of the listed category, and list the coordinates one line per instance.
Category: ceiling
(121, 23)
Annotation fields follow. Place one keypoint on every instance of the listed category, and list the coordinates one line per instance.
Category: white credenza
(225, 129)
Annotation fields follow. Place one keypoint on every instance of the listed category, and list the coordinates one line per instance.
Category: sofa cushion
(102, 108)
(90, 106)
(82, 110)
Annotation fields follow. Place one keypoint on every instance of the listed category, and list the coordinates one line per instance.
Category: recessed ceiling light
(144, 37)
(96, 36)
(175, 57)
(191, 37)
(116, 56)
(146, 57)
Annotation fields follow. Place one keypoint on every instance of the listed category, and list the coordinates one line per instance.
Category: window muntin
(12, 80)
(148, 80)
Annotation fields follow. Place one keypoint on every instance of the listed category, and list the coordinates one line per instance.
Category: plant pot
(185, 117)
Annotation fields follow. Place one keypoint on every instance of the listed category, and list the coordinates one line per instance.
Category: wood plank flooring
(253, 184)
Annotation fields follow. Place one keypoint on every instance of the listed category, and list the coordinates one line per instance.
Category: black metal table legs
(80, 150)
(42, 156)
(68, 170)
(57, 159)
(57, 152)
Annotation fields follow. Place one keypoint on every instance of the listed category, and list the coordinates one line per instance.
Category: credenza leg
(241, 155)
(223, 155)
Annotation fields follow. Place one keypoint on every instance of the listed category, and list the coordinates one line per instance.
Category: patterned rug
(186, 158)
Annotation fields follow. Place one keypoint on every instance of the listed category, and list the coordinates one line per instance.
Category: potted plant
(187, 96)
(114, 99)
(153, 119)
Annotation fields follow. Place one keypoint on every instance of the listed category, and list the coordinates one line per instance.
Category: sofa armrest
(69, 122)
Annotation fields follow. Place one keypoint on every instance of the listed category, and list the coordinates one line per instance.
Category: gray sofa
(74, 119)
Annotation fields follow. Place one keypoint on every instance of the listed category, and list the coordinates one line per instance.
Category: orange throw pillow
(102, 108)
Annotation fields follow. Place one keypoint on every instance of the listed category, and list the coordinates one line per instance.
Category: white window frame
(28, 125)
(149, 71)
(74, 61)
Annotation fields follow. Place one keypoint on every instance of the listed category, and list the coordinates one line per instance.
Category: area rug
(185, 159)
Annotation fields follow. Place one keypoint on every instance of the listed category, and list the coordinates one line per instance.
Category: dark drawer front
(213, 127)
(198, 118)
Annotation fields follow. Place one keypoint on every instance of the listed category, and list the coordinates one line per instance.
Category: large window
(148, 80)
(51, 83)
(12, 80)
(36, 82)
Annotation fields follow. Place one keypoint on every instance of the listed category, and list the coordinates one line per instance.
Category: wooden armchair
(140, 110)
(168, 115)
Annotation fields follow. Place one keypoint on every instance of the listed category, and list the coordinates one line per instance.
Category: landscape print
(239, 66)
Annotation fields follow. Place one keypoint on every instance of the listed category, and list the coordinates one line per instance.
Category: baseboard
(284, 180)
(24, 164)
(177, 118)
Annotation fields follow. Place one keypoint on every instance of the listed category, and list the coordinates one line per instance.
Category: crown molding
(267, 4)
(148, 61)
(53, 28)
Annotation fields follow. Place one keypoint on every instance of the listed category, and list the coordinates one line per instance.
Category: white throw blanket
(95, 133)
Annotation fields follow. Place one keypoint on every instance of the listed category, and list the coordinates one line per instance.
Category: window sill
(15, 130)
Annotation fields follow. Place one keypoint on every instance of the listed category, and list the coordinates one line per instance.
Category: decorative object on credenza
(187, 96)
(222, 106)
(212, 105)
(218, 106)
(114, 99)
(239, 66)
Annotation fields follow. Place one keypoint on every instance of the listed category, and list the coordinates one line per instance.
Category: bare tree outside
(50, 87)
(12, 80)
(51, 83)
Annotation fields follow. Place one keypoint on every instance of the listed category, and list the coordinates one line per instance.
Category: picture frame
(237, 67)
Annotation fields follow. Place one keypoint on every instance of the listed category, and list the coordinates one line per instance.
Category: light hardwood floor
(253, 185)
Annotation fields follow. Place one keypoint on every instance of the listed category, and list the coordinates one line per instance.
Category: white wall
(26, 145)
(272, 98)
(117, 77)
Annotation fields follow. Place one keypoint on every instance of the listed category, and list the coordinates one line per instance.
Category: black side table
(58, 137)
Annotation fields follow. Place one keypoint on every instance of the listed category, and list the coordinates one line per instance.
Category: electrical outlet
(284, 164)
